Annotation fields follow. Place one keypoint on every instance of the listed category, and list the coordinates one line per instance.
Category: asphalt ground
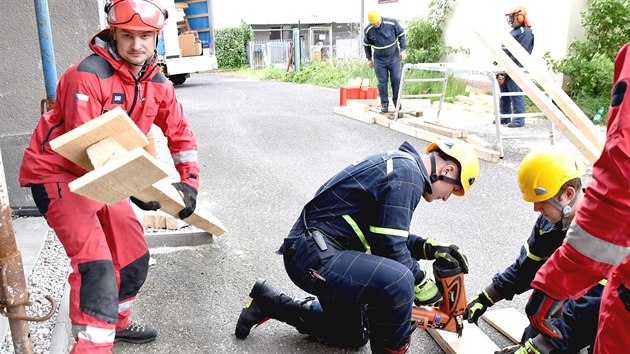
(264, 149)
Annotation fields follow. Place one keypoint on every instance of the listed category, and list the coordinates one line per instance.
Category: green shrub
(588, 65)
(231, 46)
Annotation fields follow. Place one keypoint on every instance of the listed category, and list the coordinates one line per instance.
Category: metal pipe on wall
(47, 51)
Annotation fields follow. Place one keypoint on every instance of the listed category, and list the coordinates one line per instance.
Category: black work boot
(384, 108)
(266, 302)
(137, 333)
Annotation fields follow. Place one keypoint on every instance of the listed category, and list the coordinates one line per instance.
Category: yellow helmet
(374, 16)
(465, 154)
(543, 172)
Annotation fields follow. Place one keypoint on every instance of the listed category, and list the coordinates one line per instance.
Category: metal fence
(264, 54)
(269, 53)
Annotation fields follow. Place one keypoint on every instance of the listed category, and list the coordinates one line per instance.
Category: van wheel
(178, 79)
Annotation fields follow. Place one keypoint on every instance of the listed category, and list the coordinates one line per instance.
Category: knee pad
(132, 276)
(97, 294)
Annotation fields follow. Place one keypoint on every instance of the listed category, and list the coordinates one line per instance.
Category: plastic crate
(356, 93)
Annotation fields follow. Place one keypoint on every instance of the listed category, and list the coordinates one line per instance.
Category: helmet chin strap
(565, 209)
(434, 177)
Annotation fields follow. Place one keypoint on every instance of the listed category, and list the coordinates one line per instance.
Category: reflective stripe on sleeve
(357, 230)
(388, 231)
(595, 248)
(94, 334)
(184, 156)
(533, 256)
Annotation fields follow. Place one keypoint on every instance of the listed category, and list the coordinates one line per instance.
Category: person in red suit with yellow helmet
(598, 241)
(105, 243)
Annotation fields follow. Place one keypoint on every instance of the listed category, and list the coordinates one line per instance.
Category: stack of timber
(411, 122)
(508, 322)
(110, 147)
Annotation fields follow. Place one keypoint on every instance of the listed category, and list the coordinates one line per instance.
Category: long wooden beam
(575, 136)
(542, 76)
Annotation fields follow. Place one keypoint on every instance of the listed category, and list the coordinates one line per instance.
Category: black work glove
(189, 196)
(152, 205)
(478, 306)
(434, 249)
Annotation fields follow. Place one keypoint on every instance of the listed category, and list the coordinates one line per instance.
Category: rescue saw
(448, 316)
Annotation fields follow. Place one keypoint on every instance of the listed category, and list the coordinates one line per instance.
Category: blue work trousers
(386, 68)
(578, 323)
(512, 104)
(359, 295)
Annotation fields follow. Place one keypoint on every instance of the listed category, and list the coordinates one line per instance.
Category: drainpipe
(48, 54)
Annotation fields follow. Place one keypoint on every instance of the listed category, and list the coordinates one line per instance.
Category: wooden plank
(478, 141)
(436, 128)
(564, 125)
(171, 203)
(542, 76)
(487, 154)
(350, 112)
(509, 321)
(137, 169)
(115, 123)
(472, 341)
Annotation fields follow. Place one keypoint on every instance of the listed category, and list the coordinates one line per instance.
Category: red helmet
(135, 15)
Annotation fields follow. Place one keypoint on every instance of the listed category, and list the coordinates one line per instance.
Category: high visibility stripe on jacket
(385, 39)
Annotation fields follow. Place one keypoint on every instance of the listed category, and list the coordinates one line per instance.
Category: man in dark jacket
(105, 243)
(385, 42)
(522, 32)
(351, 247)
(551, 180)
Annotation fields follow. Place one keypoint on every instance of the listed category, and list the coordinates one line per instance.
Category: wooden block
(160, 220)
(382, 120)
(478, 141)
(115, 123)
(171, 203)
(136, 168)
(472, 341)
(509, 321)
(350, 112)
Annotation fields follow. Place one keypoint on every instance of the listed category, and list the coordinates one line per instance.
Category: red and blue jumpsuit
(598, 241)
(578, 324)
(367, 206)
(105, 243)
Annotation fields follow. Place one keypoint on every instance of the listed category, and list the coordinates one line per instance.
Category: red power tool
(449, 315)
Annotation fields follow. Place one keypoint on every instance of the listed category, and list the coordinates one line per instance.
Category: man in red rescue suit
(351, 247)
(598, 241)
(105, 243)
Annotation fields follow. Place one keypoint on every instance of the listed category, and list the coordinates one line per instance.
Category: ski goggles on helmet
(139, 15)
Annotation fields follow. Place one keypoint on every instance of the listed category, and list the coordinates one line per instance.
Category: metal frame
(496, 94)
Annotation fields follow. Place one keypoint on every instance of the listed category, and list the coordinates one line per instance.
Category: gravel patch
(49, 277)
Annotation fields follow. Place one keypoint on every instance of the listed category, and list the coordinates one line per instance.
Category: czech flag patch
(81, 99)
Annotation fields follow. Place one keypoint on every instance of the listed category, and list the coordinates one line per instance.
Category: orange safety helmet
(518, 14)
(135, 15)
